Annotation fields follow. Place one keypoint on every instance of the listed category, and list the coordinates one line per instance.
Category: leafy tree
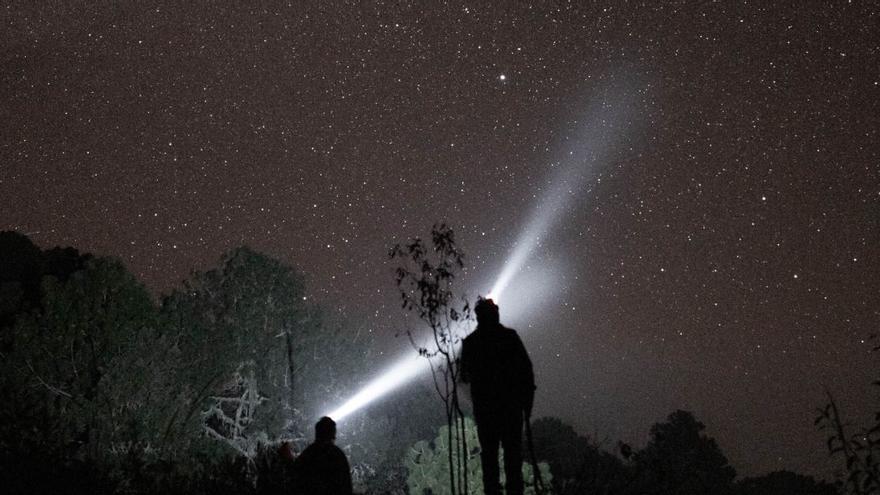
(425, 279)
(261, 363)
(239, 327)
(20, 272)
(578, 465)
(83, 373)
(22, 268)
(177, 398)
(427, 464)
(680, 459)
(73, 364)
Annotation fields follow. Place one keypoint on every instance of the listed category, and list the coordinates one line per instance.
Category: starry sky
(720, 256)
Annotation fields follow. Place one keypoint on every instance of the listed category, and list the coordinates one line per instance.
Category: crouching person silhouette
(322, 468)
(496, 365)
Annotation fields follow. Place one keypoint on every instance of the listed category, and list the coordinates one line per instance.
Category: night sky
(719, 255)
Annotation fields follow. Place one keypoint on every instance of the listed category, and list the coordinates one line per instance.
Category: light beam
(596, 140)
(405, 370)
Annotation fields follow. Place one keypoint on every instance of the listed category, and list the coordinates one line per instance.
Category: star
(123, 146)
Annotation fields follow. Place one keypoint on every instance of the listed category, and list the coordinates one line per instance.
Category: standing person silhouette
(322, 468)
(496, 365)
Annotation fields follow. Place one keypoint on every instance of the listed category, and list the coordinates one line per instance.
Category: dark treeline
(107, 389)
(679, 458)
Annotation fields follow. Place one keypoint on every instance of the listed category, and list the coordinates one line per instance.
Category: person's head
(487, 312)
(325, 430)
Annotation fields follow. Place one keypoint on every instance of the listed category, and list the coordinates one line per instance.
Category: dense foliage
(104, 389)
(427, 466)
(679, 459)
(193, 394)
(578, 465)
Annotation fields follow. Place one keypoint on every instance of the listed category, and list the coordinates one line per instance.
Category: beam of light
(535, 286)
(516, 303)
(405, 370)
(596, 140)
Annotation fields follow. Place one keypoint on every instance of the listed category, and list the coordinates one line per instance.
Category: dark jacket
(497, 366)
(322, 469)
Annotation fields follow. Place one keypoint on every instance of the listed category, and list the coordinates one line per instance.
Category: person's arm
(346, 488)
(527, 377)
(342, 478)
(465, 363)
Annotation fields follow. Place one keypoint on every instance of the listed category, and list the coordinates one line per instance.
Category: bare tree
(425, 279)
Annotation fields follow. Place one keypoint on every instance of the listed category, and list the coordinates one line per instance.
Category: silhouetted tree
(680, 459)
(578, 465)
(80, 364)
(240, 328)
(783, 483)
(261, 361)
(93, 373)
(425, 279)
(22, 268)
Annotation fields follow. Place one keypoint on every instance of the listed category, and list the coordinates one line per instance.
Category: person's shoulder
(473, 336)
(304, 457)
(511, 336)
(509, 331)
(339, 455)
